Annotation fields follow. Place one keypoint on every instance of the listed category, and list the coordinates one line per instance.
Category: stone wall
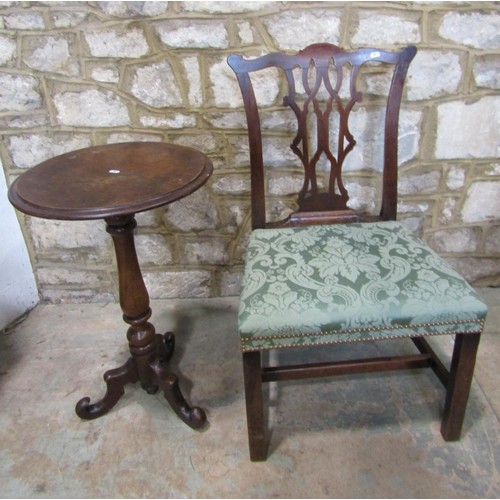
(75, 74)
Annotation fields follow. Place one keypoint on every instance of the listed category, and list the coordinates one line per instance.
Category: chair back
(320, 86)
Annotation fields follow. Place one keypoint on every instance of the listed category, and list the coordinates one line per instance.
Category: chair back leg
(457, 392)
(257, 439)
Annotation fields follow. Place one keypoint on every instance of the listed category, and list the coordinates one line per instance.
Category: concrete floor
(372, 436)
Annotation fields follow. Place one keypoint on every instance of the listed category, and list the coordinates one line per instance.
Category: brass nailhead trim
(245, 348)
(370, 329)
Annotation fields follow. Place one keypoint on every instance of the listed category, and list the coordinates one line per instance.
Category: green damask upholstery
(349, 282)
(310, 285)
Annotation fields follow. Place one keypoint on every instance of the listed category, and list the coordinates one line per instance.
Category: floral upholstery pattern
(349, 282)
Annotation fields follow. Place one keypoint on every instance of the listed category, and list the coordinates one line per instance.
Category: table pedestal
(149, 351)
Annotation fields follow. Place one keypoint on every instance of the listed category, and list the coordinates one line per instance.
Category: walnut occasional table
(113, 183)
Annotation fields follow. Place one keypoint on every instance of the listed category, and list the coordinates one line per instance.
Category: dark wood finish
(315, 66)
(409, 362)
(254, 398)
(322, 217)
(113, 182)
(437, 365)
(462, 369)
(324, 58)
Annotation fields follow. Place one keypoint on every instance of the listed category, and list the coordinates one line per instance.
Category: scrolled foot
(87, 411)
(115, 381)
(193, 416)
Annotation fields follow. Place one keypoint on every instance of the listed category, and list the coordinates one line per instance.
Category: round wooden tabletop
(110, 180)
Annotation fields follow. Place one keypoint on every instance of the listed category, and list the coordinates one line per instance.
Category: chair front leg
(457, 393)
(254, 398)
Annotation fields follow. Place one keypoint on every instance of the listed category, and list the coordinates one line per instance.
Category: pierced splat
(318, 69)
(320, 107)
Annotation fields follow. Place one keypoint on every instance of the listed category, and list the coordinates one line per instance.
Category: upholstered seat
(324, 272)
(325, 284)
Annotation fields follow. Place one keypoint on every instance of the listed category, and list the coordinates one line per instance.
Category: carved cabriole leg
(457, 394)
(169, 383)
(115, 381)
(254, 398)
